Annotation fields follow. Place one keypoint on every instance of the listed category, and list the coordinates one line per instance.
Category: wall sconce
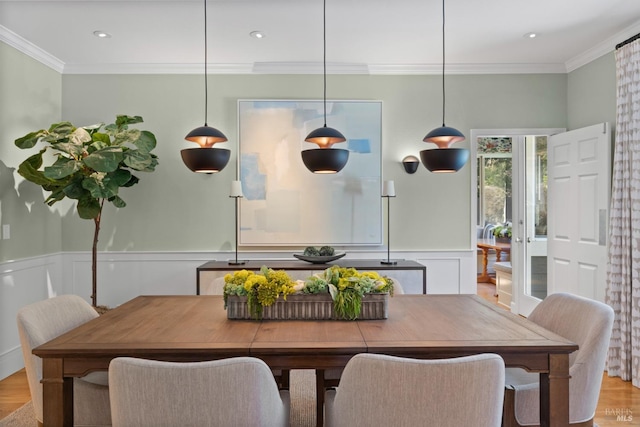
(410, 164)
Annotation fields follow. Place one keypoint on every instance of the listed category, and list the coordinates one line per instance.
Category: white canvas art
(284, 203)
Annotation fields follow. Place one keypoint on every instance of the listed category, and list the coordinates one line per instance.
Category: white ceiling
(370, 36)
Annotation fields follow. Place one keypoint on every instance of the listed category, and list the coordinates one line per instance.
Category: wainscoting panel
(125, 275)
(22, 282)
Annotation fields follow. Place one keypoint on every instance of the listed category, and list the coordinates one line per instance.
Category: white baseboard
(125, 275)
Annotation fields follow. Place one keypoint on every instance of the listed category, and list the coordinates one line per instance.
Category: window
(494, 180)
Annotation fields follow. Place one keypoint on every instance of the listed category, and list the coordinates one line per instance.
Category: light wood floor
(617, 397)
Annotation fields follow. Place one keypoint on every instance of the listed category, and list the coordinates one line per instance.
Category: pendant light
(205, 159)
(325, 159)
(444, 159)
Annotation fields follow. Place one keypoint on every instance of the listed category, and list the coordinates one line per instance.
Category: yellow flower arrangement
(261, 289)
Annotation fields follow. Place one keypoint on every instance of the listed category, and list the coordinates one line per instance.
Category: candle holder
(236, 193)
(388, 191)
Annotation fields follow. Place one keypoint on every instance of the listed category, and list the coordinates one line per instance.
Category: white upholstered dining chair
(328, 378)
(45, 320)
(234, 392)
(587, 323)
(380, 390)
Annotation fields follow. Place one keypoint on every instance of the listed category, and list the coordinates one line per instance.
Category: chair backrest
(41, 322)
(381, 390)
(237, 391)
(587, 323)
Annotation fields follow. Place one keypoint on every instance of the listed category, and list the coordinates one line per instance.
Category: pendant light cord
(206, 88)
(324, 57)
(443, 92)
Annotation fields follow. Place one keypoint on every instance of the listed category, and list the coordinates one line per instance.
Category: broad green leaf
(102, 137)
(105, 160)
(126, 137)
(73, 149)
(88, 208)
(75, 190)
(137, 160)
(29, 170)
(96, 186)
(118, 202)
(132, 181)
(61, 129)
(93, 128)
(146, 142)
(80, 136)
(119, 177)
(127, 120)
(63, 167)
(29, 140)
(104, 186)
(55, 196)
(98, 145)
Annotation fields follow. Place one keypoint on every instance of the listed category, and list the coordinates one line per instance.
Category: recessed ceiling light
(531, 35)
(257, 34)
(101, 34)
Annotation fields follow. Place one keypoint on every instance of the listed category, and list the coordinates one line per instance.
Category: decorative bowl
(319, 259)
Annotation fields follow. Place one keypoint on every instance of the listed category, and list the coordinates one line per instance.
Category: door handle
(528, 239)
(518, 240)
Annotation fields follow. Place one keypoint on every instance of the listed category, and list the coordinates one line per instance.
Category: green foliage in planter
(91, 164)
(502, 230)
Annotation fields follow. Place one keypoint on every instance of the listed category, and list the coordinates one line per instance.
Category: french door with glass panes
(519, 199)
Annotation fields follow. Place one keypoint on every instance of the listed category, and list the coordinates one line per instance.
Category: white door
(529, 246)
(579, 169)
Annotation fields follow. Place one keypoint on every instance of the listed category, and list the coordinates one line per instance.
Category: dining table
(190, 328)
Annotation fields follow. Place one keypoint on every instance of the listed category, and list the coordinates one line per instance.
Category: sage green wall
(592, 93)
(30, 99)
(174, 209)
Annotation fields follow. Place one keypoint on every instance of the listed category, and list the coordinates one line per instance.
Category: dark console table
(297, 265)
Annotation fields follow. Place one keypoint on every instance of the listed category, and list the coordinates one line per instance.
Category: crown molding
(12, 39)
(309, 68)
(436, 69)
(602, 48)
(157, 69)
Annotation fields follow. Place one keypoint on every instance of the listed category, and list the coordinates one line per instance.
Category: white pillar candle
(236, 189)
(388, 189)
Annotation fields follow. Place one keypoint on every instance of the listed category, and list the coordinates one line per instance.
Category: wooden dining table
(195, 328)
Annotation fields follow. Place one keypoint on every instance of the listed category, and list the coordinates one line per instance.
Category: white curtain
(623, 271)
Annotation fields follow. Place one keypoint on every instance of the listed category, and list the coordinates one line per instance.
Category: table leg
(57, 394)
(554, 392)
(319, 397)
(484, 276)
(498, 254)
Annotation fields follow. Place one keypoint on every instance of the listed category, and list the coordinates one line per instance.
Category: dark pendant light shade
(325, 159)
(205, 159)
(443, 158)
(444, 136)
(325, 137)
(205, 136)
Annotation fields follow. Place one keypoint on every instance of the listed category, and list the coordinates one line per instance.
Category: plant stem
(94, 257)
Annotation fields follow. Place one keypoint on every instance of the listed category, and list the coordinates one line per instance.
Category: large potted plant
(91, 164)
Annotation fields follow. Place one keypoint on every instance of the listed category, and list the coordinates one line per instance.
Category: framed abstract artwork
(284, 203)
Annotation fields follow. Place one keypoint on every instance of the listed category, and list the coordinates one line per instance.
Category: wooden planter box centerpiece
(307, 307)
(337, 293)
